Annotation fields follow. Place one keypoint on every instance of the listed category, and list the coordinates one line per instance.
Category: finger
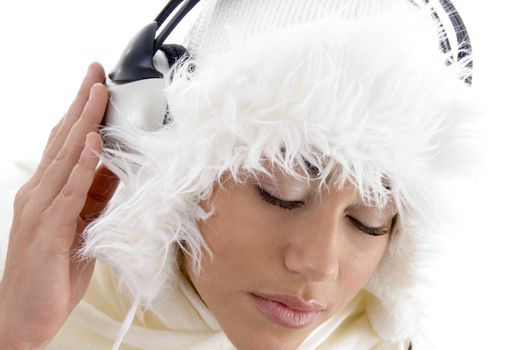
(69, 202)
(101, 191)
(57, 173)
(35, 178)
(94, 75)
(52, 135)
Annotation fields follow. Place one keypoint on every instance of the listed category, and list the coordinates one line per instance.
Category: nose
(313, 251)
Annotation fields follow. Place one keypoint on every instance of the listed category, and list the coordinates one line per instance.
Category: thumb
(101, 191)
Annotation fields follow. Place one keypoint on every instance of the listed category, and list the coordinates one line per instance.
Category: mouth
(287, 311)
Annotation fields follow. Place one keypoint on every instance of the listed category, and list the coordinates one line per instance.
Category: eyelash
(290, 205)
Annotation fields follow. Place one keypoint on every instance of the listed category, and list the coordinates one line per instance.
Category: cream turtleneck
(180, 320)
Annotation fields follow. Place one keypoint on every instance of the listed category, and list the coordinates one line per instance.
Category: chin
(268, 336)
(266, 342)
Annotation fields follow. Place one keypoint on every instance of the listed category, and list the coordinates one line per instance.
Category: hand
(41, 283)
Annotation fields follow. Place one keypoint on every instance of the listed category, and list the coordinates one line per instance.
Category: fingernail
(91, 91)
(90, 67)
(87, 142)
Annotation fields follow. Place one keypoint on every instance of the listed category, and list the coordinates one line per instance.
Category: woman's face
(285, 259)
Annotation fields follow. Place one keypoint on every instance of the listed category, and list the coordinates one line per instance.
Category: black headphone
(136, 85)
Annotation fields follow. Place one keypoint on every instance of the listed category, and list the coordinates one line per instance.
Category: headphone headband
(137, 61)
(452, 30)
(165, 13)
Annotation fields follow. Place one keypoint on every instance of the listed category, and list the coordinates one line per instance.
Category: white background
(479, 302)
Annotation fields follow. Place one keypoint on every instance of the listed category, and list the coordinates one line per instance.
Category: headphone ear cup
(140, 104)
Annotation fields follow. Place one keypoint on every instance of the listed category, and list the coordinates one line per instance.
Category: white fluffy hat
(361, 87)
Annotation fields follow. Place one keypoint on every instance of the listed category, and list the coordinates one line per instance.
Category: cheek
(364, 256)
(237, 232)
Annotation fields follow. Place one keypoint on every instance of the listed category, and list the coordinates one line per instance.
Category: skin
(313, 252)
(41, 284)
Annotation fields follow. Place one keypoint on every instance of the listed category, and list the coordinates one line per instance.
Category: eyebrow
(313, 170)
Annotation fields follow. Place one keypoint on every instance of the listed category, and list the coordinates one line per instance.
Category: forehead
(313, 173)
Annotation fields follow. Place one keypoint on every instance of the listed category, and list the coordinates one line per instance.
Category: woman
(289, 202)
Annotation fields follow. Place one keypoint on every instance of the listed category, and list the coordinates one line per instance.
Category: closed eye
(373, 231)
(278, 202)
(290, 205)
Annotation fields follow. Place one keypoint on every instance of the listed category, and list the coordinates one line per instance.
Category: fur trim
(371, 98)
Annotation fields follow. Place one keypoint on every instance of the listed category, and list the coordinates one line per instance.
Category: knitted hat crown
(223, 24)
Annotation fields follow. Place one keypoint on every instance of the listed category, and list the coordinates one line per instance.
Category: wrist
(11, 342)
(10, 339)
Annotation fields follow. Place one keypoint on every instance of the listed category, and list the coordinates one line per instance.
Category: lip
(287, 311)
